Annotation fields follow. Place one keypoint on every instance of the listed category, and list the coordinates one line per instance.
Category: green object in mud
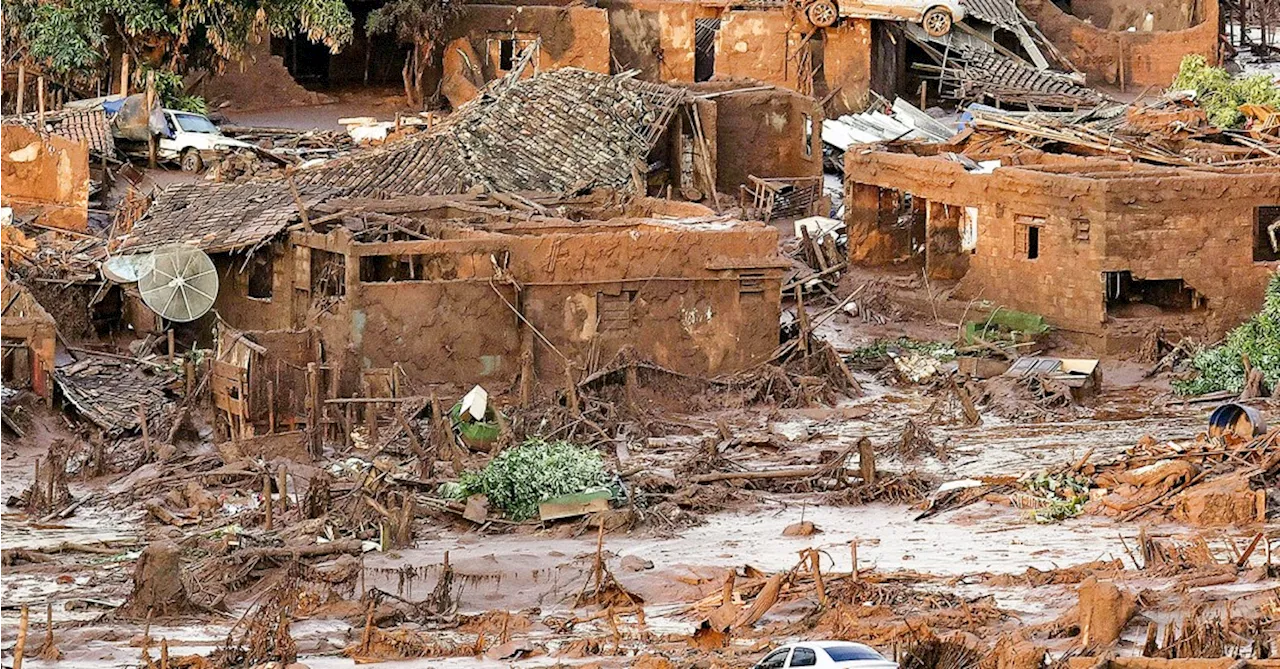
(1005, 324)
(521, 478)
(476, 433)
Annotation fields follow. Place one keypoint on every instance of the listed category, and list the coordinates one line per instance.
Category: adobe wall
(846, 64)
(571, 36)
(1198, 228)
(242, 312)
(1147, 58)
(655, 37)
(763, 133)
(1064, 284)
(1118, 15)
(1187, 225)
(677, 306)
(755, 44)
(48, 177)
(257, 80)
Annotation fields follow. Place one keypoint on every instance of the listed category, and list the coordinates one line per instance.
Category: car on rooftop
(829, 654)
(935, 16)
(195, 139)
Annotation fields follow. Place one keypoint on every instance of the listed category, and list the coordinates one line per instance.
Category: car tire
(822, 13)
(191, 161)
(937, 21)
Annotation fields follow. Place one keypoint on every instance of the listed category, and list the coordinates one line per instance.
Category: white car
(935, 16)
(195, 138)
(842, 654)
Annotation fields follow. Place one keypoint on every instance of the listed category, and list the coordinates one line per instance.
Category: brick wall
(1091, 217)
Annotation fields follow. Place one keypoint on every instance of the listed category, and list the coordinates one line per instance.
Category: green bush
(1220, 95)
(1222, 367)
(520, 478)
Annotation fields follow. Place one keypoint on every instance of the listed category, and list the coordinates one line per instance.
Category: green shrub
(1220, 95)
(1222, 367)
(520, 478)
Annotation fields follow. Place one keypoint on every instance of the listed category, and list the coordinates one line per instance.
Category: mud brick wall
(1147, 58)
(255, 313)
(762, 133)
(1199, 228)
(654, 37)
(672, 293)
(571, 36)
(48, 177)
(1093, 217)
(846, 64)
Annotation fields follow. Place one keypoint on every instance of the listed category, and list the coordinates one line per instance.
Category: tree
(420, 24)
(70, 37)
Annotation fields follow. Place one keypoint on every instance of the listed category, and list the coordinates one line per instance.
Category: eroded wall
(769, 133)
(1144, 58)
(654, 37)
(571, 36)
(46, 177)
(235, 305)
(1155, 223)
(699, 300)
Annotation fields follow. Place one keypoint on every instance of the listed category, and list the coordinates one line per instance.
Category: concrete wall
(1146, 58)
(48, 177)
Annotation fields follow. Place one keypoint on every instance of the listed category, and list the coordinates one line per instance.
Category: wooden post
(171, 343)
(349, 423)
(867, 460)
(815, 562)
(282, 484)
(22, 88)
(20, 647)
(49, 650)
(853, 552)
(124, 73)
(371, 423)
(271, 407)
(146, 429)
(151, 136)
(267, 504)
(726, 593)
(189, 370)
(40, 101)
(164, 654)
(313, 407)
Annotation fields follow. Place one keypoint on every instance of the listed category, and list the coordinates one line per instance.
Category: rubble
(601, 367)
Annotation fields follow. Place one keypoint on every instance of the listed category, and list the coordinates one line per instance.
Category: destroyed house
(46, 176)
(465, 289)
(1105, 251)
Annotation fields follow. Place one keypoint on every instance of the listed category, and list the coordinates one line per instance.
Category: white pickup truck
(195, 138)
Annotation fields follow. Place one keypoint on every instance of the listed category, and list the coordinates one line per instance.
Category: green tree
(419, 24)
(72, 37)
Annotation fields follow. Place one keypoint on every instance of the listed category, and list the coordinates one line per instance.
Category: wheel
(937, 21)
(822, 13)
(191, 161)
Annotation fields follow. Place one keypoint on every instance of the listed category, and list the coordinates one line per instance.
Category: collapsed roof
(562, 131)
(88, 125)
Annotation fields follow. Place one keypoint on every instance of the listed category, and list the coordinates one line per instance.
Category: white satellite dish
(128, 269)
(182, 283)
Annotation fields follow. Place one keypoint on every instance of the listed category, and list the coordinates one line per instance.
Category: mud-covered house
(1104, 250)
(535, 251)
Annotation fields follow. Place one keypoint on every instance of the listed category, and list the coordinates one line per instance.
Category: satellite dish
(182, 283)
(128, 269)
